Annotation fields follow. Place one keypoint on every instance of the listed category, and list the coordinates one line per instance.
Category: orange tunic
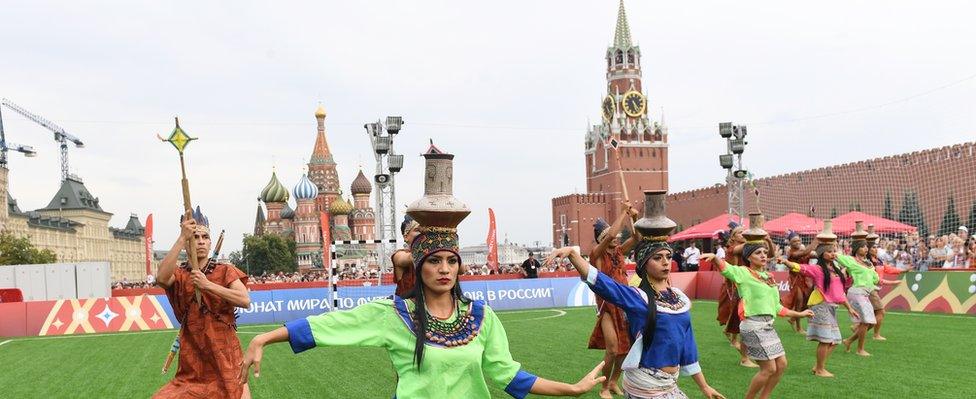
(728, 298)
(210, 353)
(800, 288)
(407, 280)
(612, 264)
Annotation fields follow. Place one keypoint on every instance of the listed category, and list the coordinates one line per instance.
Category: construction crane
(61, 136)
(4, 146)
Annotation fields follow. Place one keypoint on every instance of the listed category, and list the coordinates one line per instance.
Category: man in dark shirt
(530, 268)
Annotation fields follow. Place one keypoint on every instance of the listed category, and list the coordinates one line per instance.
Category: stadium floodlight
(740, 174)
(740, 132)
(393, 124)
(725, 129)
(382, 145)
(738, 146)
(725, 160)
(395, 163)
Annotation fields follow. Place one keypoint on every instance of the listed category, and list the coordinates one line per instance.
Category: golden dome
(320, 112)
(340, 206)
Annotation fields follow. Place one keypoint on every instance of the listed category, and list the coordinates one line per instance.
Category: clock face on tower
(608, 106)
(634, 103)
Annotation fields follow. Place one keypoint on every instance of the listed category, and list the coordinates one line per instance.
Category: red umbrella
(800, 223)
(707, 229)
(844, 224)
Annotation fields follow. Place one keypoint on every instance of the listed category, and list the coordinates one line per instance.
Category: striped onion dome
(287, 212)
(305, 189)
(274, 191)
(340, 206)
(361, 185)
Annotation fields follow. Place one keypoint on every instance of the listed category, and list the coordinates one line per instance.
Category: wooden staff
(620, 169)
(179, 139)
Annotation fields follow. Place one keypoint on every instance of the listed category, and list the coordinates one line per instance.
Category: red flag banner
(326, 240)
(148, 238)
(492, 241)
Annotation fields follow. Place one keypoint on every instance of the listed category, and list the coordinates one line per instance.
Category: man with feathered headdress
(611, 329)
(210, 353)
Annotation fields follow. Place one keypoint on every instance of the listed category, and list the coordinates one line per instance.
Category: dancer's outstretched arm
(630, 299)
(255, 351)
(546, 387)
(706, 389)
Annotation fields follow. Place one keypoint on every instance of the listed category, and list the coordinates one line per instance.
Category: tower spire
(621, 37)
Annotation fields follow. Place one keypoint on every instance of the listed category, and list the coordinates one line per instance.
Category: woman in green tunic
(442, 344)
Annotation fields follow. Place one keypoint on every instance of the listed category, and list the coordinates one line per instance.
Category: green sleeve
(846, 261)
(497, 362)
(365, 325)
(735, 273)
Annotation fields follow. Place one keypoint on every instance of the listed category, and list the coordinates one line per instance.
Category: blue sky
(507, 86)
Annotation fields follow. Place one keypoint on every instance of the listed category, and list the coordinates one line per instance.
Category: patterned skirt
(822, 327)
(651, 383)
(760, 338)
(860, 300)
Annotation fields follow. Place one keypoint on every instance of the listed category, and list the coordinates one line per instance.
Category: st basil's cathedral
(318, 191)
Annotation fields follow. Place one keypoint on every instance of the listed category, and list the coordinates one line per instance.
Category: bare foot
(823, 373)
(615, 389)
(847, 345)
(605, 394)
(748, 363)
(863, 352)
(880, 338)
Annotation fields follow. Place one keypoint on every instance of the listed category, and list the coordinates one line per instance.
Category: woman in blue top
(663, 340)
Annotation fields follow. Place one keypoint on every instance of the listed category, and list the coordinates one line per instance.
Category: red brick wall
(933, 174)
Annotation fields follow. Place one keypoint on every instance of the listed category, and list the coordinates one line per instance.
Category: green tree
(19, 251)
(236, 258)
(971, 223)
(908, 211)
(887, 213)
(950, 219)
(269, 253)
(923, 228)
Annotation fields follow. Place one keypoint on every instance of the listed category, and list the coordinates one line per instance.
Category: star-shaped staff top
(179, 139)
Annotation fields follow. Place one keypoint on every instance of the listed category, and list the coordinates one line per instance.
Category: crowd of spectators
(907, 252)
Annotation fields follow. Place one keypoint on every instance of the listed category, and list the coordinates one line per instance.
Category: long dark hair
(650, 321)
(420, 308)
(826, 272)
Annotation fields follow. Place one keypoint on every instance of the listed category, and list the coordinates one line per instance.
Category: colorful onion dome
(361, 185)
(287, 212)
(340, 206)
(274, 191)
(305, 189)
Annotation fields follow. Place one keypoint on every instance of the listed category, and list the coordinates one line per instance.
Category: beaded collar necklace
(669, 299)
(458, 332)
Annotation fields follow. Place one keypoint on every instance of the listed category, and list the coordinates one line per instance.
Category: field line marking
(5, 342)
(559, 313)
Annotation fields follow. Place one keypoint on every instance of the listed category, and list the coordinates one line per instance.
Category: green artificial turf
(926, 355)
